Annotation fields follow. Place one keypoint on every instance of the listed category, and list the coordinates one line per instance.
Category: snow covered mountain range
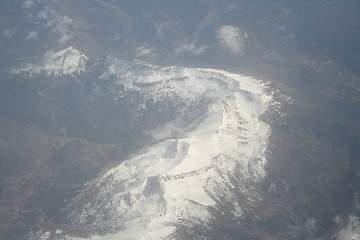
(214, 142)
(221, 119)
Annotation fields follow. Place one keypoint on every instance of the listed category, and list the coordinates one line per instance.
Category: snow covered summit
(197, 160)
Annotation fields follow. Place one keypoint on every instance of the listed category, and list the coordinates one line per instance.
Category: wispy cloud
(58, 23)
(32, 35)
(9, 32)
(28, 4)
(167, 131)
(144, 51)
(190, 47)
(232, 38)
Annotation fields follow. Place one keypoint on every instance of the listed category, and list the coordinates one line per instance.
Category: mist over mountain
(185, 119)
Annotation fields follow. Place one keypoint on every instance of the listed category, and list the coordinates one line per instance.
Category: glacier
(195, 157)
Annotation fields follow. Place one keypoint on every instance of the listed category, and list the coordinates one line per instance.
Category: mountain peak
(68, 61)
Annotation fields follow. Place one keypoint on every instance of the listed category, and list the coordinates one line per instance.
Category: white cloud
(28, 4)
(64, 35)
(351, 231)
(232, 38)
(6, 33)
(32, 35)
(29, 17)
(273, 57)
(9, 32)
(143, 51)
(190, 48)
(168, 130)
(58, 23)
